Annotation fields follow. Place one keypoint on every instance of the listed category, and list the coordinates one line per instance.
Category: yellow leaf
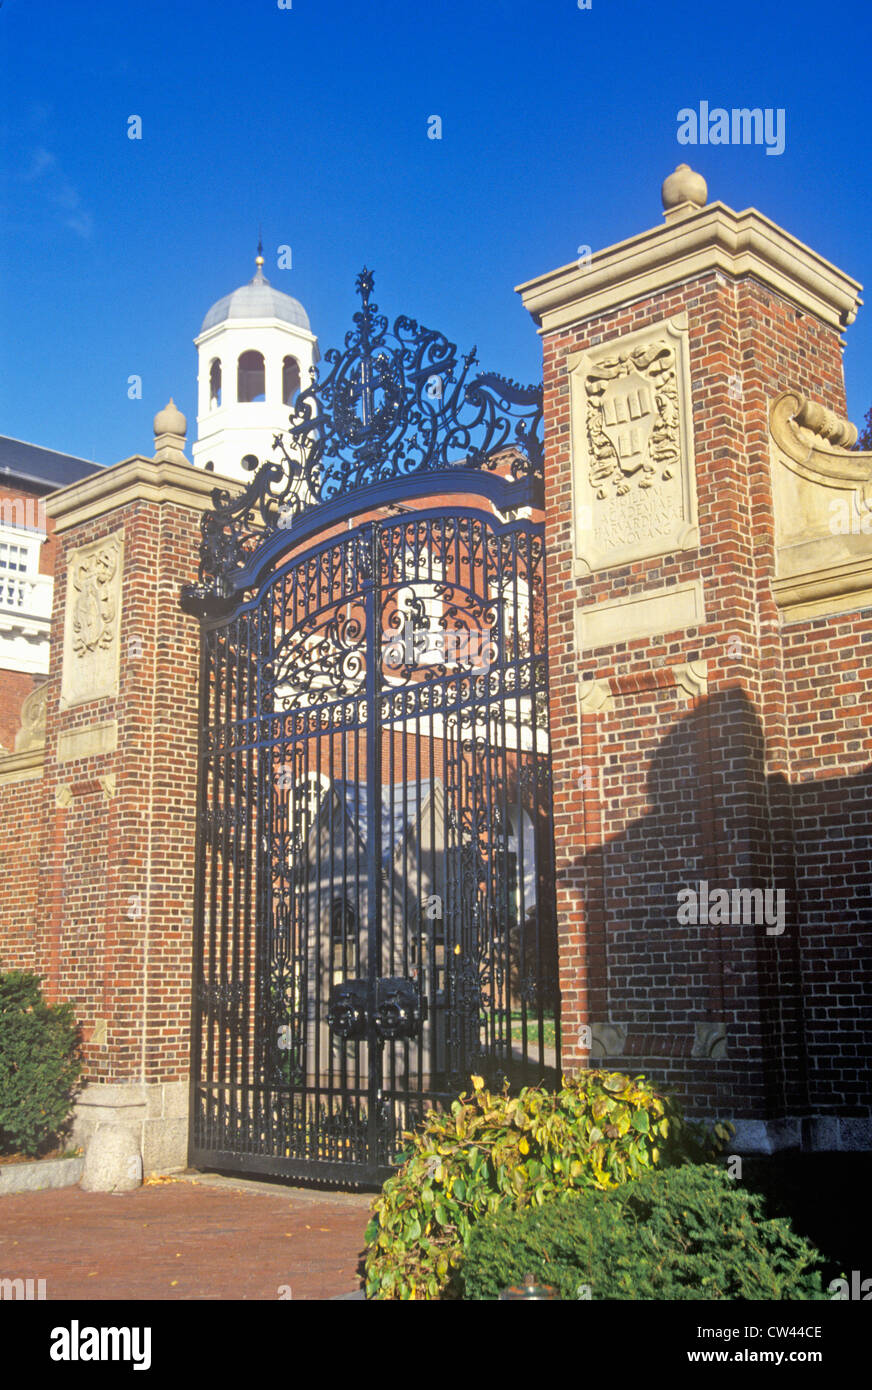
(478, 1083)
(524, 1146)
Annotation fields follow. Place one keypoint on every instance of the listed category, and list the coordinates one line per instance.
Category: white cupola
(255, 350)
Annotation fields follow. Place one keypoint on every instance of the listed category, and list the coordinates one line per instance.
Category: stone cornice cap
(259, 324)
(708, 239)
(135, 479)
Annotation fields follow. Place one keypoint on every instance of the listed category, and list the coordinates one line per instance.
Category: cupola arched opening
(250, 377)
(290, 380)
(215, 383)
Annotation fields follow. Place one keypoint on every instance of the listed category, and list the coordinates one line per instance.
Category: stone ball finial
(170, 420)
(684, 186)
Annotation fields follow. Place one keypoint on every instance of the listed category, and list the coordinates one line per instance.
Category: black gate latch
(347, 1011)
(399, 1009)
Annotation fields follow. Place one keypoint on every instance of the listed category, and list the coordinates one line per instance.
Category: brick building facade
(96, 858)
(28, 474)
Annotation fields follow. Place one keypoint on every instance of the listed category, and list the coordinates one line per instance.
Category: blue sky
(559, 126)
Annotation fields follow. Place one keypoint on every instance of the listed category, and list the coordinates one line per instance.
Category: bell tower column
(254, 319)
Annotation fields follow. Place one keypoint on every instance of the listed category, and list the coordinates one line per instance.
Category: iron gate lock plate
(399, 1008)
(348, 1008)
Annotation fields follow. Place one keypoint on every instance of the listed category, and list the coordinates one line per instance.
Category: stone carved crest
(92, 621)
(634, 485)
(632, 419)
(94, 605)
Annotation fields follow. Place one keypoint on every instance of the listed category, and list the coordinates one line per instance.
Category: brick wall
(21, 817)
(107, 874)
(15, 686)
(667, 788)
(828, 670)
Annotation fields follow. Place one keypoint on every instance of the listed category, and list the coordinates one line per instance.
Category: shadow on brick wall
(728, 922)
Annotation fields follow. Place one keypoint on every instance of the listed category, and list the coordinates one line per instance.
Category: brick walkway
(199, 1238)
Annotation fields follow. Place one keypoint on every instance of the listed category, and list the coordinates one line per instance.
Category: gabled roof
(401, 808)
(45, 469)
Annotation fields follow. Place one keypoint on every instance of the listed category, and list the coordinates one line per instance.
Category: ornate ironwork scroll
(375, 816)
(393, 409)
(374, 908)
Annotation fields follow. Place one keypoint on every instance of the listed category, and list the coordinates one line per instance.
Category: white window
(215, 383)
(14, 567)
(25, 601)
(290, 380)
(250, 377)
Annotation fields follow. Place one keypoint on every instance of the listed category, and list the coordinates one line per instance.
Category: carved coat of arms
(94, 605)
(632, 419)
(92, 621)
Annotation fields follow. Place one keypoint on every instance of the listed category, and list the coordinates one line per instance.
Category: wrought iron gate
(374, 901)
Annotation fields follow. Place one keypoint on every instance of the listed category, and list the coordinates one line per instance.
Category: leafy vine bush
(680, 1233)
(40, 1063)
(492, 1150)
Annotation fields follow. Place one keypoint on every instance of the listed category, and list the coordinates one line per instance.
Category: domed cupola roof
(257, 300)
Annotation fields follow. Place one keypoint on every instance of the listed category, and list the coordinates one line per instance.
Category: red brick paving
(185, 1240)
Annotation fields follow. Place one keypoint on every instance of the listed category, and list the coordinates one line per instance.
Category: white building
(28, 473)
(256, 350)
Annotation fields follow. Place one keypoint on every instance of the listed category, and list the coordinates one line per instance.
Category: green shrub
(39, 1064)
(680, 1233)
(489, 1150)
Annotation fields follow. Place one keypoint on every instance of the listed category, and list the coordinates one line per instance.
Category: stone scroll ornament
(33, 712)
(632, 420)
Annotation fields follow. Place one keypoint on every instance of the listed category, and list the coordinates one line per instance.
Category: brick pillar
(670, 720)
(119, 788)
